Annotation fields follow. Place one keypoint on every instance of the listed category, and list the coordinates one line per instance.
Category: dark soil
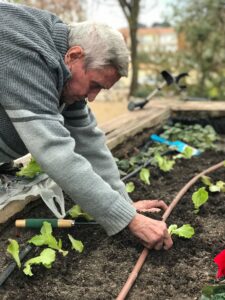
(102, 269)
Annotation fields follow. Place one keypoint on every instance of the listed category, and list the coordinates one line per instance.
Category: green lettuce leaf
(206, 180)
(13, 249)
(76, 245)
(130, 187)
(145, 175)
(46, 258)
(188, 152)
(199, 198)
(76, 212)
(186, 231)
(46, 238)
(164, 164)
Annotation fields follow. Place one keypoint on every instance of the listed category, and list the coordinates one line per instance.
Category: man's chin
(71, 100)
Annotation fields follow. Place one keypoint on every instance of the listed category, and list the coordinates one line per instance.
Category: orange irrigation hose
(140, 262)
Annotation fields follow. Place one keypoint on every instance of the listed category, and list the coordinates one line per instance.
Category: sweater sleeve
(91, 144)
(31, 101)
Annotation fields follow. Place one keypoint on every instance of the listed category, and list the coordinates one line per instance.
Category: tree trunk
(134, 59)
(133, 26)
(131, 11)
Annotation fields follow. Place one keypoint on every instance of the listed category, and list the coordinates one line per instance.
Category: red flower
(220, 261)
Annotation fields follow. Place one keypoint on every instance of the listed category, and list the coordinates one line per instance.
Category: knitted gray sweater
(68, 146)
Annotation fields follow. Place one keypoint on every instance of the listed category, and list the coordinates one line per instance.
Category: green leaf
(145, 175)
(206, 180)
(213, 292)
(130, 187)
(214, 188)
(76, 245)
(185, 231)
(46, 238)
(199, 197)
(164, 164)
(221, 185)
(13, 249)
(76, 212)
(188, 152)
(46, 258)
(31, 170)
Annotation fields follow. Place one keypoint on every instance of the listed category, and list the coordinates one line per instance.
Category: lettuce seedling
(76, 212)
(206, 180)
(46, 238)
(164, 164)
(218, 187)
(31, 170)
(13, 249)
(187, 153)
(46, 258)
(76, 245)
(185, 231)
(145, 175)
(130, 187)
(199, 198)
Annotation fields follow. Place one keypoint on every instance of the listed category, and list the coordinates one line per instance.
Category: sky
(112, 15)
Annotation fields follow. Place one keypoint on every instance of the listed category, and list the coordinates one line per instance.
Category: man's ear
(73, 53)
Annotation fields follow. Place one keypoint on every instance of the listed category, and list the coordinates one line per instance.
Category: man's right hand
(152, 233)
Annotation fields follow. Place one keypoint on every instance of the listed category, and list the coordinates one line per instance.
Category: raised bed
(102, 269)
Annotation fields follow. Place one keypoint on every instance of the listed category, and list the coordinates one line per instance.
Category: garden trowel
(177, 145)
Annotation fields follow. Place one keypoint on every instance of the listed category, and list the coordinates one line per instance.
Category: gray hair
(102, 45)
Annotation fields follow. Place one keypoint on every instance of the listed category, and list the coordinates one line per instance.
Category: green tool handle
(37, 223)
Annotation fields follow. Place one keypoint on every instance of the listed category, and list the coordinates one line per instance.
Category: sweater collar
(60, 38)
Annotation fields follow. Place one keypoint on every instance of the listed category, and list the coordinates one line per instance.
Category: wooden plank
(210, 108)
(153, 119)
(14, 207)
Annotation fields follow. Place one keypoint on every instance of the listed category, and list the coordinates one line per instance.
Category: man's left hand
(150, 205)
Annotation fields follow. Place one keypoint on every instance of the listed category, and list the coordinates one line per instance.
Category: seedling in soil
(13, 249)
(187, 153)
(130, 187)
(76, 212)
(145, 175)
(46, 238)
(76, 245)
(46, 258)
(199, 198)
(196, 135)
(164, 163)
(219, 186)
(185, 231)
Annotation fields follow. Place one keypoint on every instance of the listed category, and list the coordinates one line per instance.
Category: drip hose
(140, 262)
(10, 268)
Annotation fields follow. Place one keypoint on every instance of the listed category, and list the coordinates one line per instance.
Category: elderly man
(46, 65)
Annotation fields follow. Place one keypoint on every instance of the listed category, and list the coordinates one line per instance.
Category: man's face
(86, 83)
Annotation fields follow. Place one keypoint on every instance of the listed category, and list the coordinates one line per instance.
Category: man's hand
(152, 233)
(150, 205)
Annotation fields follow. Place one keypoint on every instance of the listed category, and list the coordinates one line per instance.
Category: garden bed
(103, 267)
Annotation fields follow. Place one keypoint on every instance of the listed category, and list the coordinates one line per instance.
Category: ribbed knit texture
(69, 147)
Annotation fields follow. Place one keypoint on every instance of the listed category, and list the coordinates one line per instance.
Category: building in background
(154, 39)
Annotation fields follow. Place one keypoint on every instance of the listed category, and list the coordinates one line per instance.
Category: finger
(158, 246)
(149, 210)
(155, 203)
(168, 242)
